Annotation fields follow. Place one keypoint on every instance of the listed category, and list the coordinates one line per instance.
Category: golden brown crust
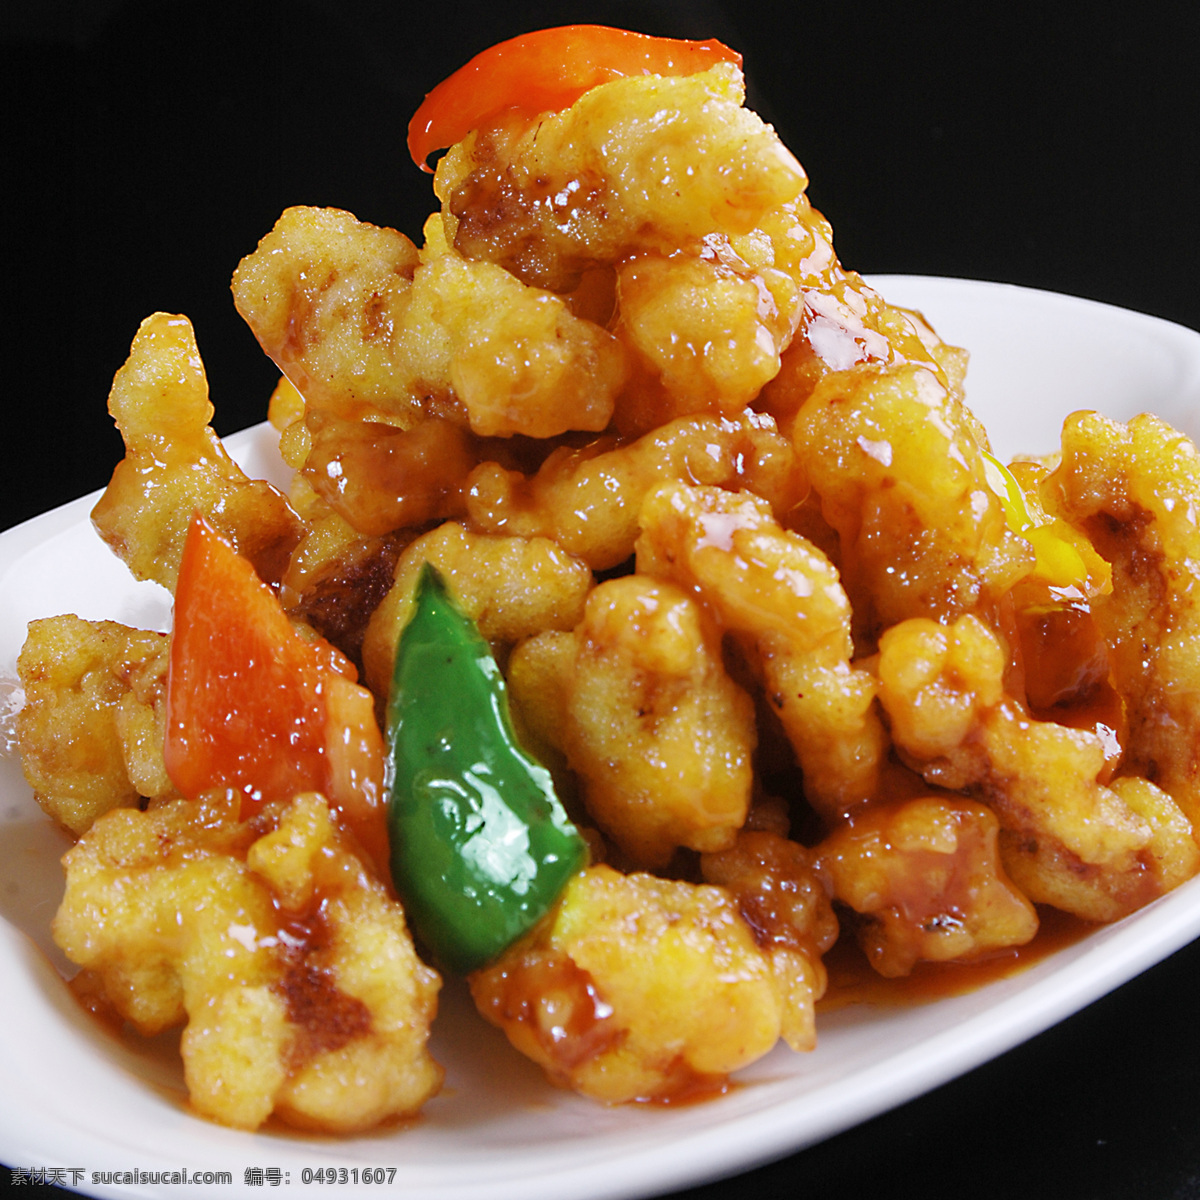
(91, 729)
(1133, 490)
(175, 465)
(659, 735)
(290, 965)
(1097, 851)
(663, 986)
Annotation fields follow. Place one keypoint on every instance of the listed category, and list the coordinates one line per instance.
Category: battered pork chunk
(285, 958)
(781, 598)
(1135, 491)
(638, 699)
(175, 465)
(91, 727)
(645, 988)
(1068, 840)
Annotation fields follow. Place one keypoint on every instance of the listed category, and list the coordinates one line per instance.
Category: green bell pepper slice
(481, 846)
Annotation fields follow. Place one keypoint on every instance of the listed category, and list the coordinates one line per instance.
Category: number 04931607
(348, 1175)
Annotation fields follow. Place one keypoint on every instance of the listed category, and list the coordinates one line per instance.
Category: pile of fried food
(801, 656)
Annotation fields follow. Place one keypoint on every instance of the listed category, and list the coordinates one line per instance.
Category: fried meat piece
(1135, 491)
(701, 330)
(926, 876)
(381, 478)
(361, 323)
(589, 500)
(329, 299)
(848, 323)
(779, 894)
(325, 294)
(290, 965)
(640, 164)
(694, 213)
(645, 713)
(519, 360)
(896, 461)
(625, 186)
(639, 988)
(511, 587)
(1097, 851)
(781, 598)
(91, 729)
(405, 358)
(175, 466)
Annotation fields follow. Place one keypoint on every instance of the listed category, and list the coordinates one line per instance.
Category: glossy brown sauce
(1066, 659)
(1067, 676)
(852, 980)
(88, 989)
(554, 1003)
(339, 604)
(325, 1017)
(685, 1087)
(381, 478)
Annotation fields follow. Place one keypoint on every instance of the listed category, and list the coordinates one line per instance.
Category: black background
(147, 146)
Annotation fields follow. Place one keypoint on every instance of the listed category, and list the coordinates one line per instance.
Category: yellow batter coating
(780, 895)
(645, 713)
(323, 293)
(1135, 491)
(286, 959)
(644, 163)
(91, 727)
(175, 465)
(926, 875)
(511, 587)
(896, 459)
(639, 988)
(782, 598)
(1097, 851)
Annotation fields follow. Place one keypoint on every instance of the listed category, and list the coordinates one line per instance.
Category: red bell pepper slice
(254, 706)
(547, 71)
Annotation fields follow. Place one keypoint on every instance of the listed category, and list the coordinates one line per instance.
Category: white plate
(71, 1096)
